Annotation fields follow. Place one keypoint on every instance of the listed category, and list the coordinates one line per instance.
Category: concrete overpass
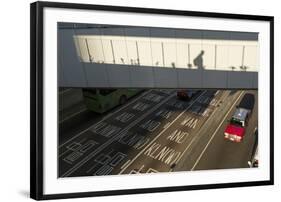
(126, 56)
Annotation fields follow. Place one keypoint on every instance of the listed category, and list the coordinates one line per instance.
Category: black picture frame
(37, 99)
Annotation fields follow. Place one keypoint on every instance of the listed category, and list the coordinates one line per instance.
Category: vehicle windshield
(236, 122)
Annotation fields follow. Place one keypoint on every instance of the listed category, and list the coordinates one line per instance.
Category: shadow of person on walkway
(198, 61)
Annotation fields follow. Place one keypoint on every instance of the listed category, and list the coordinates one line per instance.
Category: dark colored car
(186, 94)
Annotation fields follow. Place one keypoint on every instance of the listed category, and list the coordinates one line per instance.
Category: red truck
(235, 130)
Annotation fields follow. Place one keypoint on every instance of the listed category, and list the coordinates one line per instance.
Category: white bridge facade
(141, 57)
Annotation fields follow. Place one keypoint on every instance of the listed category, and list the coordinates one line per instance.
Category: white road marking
(125, 164)
(206, 112)
(72, 157)
(87, 146)
(107, 130)
(212, 137)
(195, 137)
(190, 122)
(120, 134)
(140, 168)
(117, 158)
(162, 153)
(164, 113)
(167, 125)
(160, 134)
(68, 149)
(104, 170)
(140, 106)
(153, 97)
(151, 170)
(133, 140)
(150, 125)
(178, 136)
(64, 91)
(72, 115)
(106, 117)
(124, 117)
(133, 172)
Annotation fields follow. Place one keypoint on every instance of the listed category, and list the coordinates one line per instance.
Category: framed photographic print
(135, 100)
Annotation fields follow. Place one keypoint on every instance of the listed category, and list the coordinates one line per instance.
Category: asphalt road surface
(219, 153)
(155, 132)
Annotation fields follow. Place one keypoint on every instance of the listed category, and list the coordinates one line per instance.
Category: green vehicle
(102, 100)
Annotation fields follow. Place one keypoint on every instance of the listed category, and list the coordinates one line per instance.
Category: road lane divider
(69, 147)
(213, 135)
(116, 137)
(195, 137)
(65, 91)
(125, 164)
(72, 115)
(143, 150)
(104, 118)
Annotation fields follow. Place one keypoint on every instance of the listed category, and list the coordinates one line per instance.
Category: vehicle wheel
(122, 99)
